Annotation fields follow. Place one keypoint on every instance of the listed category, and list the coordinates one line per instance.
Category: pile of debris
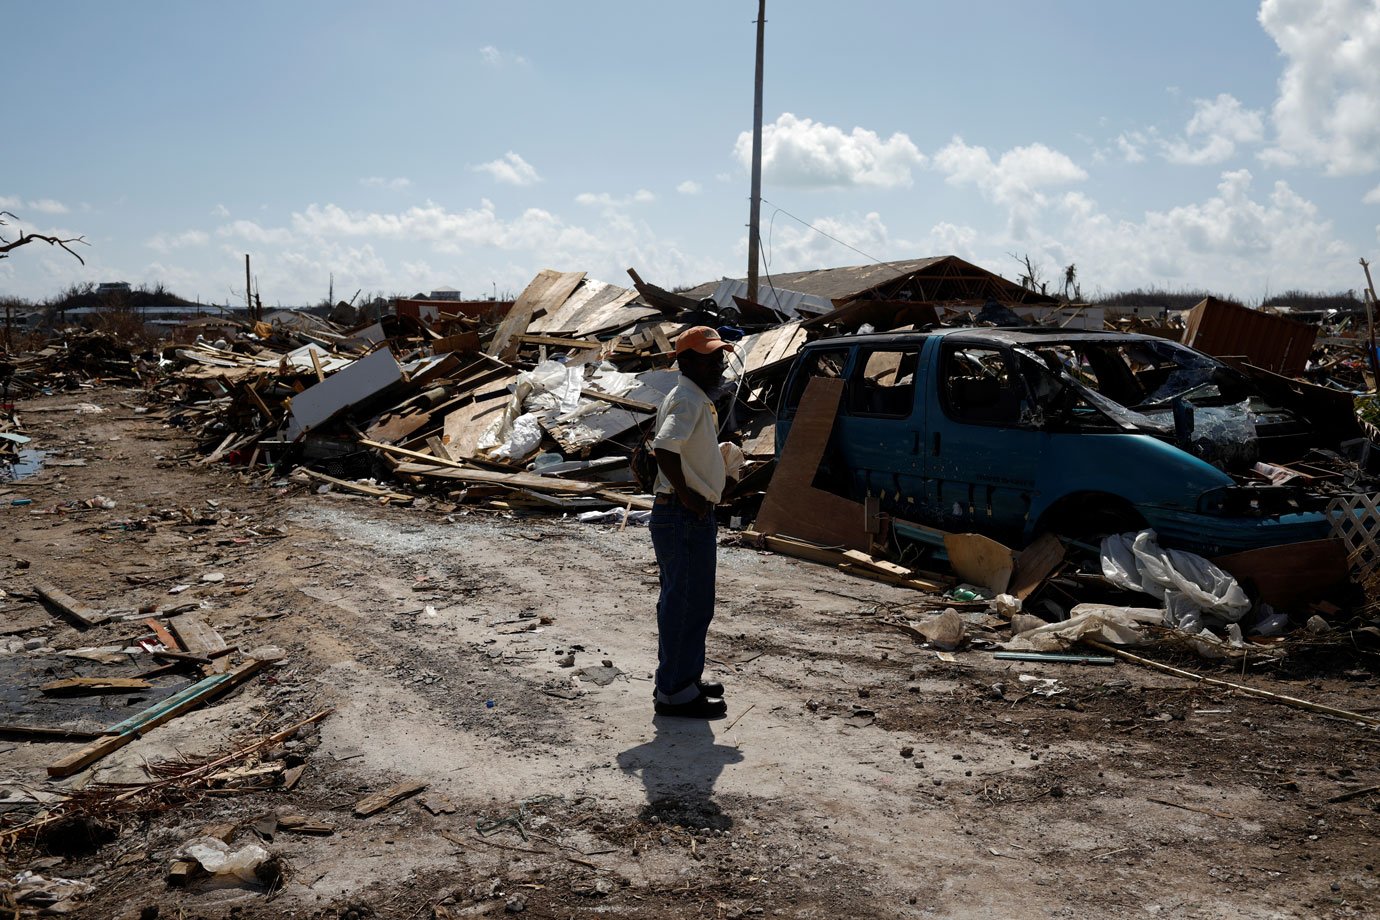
(77, 360)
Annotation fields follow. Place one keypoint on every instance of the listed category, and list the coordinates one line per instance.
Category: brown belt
(664, 498)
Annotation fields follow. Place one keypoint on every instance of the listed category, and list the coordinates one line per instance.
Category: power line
(821, 233)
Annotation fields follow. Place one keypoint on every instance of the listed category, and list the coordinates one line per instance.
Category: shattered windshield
(1158, 387)
(1140, 374)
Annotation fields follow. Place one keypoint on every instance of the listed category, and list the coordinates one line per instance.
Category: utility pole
(755, 218)
(248, 295)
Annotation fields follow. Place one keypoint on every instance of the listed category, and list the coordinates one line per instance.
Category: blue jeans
(686, 547)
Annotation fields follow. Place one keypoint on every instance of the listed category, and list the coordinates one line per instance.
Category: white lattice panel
(1356, 522)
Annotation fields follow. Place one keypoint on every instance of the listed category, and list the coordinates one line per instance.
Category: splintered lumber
(300, 824)
(801, 549)
(117, 736)
(516, 480)
(1241, 688)
(980, 561)
(360, 487)
(161, 633)
(393, 794)
(1035, 564)
(71, 608)
(196, 636)
(81, 686)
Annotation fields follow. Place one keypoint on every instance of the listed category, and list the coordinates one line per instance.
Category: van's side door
(880, 426)
(982, 457)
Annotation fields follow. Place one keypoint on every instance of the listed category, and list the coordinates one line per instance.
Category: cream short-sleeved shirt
(687, 424)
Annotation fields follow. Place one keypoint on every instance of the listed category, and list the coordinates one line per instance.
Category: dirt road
(858, 774)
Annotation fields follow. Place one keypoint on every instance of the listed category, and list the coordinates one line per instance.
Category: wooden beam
(71, 608)
(156, 715)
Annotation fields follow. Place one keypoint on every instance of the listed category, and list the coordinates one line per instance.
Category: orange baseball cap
(702, 339)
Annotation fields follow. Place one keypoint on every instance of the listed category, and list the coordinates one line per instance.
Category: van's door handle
(936, 444)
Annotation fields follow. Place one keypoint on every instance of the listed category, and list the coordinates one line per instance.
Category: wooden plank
(857, 557)
(83, 686)
(196, 636)
(46, 733)
(161, 633)
(81, 614)
(463, 343)
(793, 506)
(1035, 564)
(438, 448)
(359, 487)
(516, 480)
(824, 555)
(154, 716)
(377, 802)
(547, 291)
(1288, 576)
(980, 561)
(637, 502)
(636, 405)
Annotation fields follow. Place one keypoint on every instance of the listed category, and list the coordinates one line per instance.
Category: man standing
(689, 484)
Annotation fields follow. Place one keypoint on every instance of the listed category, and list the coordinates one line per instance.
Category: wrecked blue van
(1015, 431)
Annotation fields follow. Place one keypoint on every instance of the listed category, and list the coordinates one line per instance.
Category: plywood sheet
(546, 292)
(793, 506)
(466, 423)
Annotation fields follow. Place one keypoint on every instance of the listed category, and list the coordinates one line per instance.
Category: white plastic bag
(216, 857)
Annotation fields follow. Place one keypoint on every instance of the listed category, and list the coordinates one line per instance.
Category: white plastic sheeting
(1113, 625)
(1195, 592)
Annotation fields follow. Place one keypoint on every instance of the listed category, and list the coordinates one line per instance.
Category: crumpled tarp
(1195, 592)
(1113, 625)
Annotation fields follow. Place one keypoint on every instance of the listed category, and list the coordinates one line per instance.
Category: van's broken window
(814, 364)
(884, 383)
(979, 387)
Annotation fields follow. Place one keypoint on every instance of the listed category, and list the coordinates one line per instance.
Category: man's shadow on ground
(679, 768)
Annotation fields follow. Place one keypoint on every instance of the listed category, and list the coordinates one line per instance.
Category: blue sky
(1227, 145)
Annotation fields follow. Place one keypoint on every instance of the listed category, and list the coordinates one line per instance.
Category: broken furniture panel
(349, 386)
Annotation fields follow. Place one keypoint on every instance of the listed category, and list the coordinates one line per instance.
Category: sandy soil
(858, 774)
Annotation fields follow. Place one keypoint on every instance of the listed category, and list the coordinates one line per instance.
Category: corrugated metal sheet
(1227, 330)
(827, 284)
(791, 303)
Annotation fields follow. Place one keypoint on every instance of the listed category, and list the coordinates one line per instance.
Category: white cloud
(163, 242)
(511, 169)
(41, 205)
(1372, 196)
(251, 232)
(1328, 109)
(220, 211)
(1221, 243)
(496, 58)
(1213, 133)
(792, 246)
(1130, 143)
(605, 200)
(689, 187)
(48, 206)
(395, 184)
(802, 152)
(1017, 178)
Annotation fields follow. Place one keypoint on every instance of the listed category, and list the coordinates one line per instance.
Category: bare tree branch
(25, 238)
